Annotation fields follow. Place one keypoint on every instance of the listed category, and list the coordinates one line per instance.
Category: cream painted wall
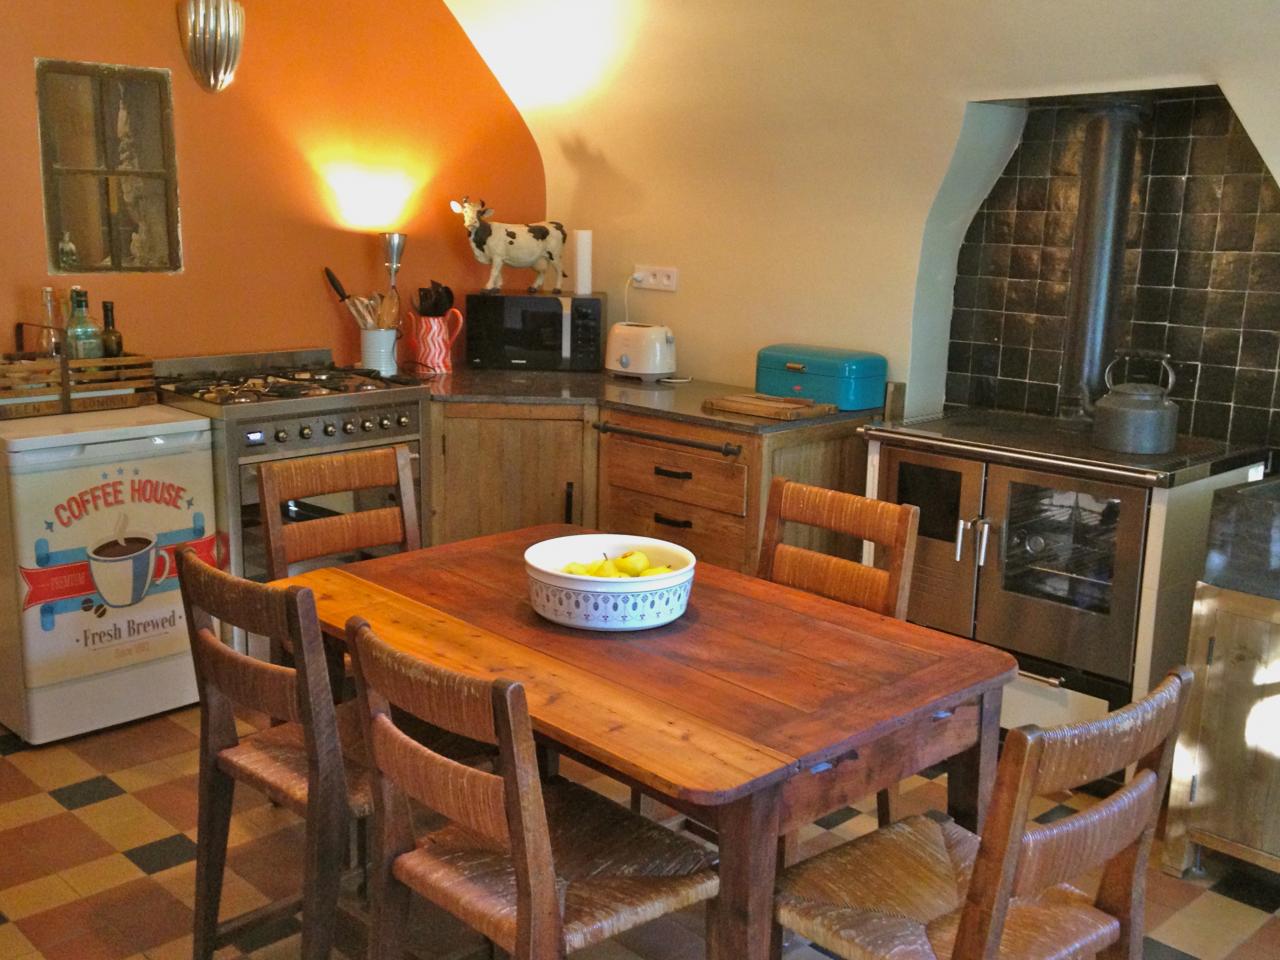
(786, 157)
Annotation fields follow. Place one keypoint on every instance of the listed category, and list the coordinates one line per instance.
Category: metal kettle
(1136, 417)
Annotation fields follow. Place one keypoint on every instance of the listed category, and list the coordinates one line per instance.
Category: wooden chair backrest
(302, 693)
(1018, 858)
(890, 526)
(280, 481)
(504, 808)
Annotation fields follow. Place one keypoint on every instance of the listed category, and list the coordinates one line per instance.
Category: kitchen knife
(336, 284)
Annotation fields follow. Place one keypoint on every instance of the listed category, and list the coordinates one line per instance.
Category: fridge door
(94, 529)
(1061, 573)
(948, 492)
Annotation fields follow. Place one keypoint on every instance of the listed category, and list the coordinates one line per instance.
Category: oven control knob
(385, 422)
(282, 436)
(349, 427)
(330, 429)
(402, 420)
(366, 425)
(305, 433)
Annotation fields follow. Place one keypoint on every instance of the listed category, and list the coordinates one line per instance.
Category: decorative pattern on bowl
(599, 603)
(609, 611)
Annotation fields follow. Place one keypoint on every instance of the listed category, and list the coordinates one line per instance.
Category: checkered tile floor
(97, 863)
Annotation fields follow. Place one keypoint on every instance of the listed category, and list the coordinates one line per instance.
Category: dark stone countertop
(1244, 546)
(674, 401)
(1021, 439)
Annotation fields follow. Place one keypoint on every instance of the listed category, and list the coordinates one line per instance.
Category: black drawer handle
(668, 522)
(725, 449)
(673, 474)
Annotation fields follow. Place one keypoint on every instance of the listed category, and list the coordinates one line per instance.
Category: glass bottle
(84, 337)
(50, 332)
(112, 340)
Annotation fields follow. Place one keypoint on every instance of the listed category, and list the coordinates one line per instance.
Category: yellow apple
(610, 570)
(632, 562)
(653, 571)
(593, 568)
(576, 568)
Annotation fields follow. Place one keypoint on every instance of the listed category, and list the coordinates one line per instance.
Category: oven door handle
(961, 527)
(983, 526)
(1041, 678)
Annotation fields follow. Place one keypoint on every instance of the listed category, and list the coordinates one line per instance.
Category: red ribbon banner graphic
(47, 584)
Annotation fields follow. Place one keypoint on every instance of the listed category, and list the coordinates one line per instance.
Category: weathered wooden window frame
(101, 75)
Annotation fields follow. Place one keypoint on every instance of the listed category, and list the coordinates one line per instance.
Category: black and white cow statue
(537, 245)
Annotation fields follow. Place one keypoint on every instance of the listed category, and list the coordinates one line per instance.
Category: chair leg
(390, 917)
(886, 802)
(326, 841)
(213, 824)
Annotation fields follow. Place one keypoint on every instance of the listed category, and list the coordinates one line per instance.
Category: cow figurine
(537, 245)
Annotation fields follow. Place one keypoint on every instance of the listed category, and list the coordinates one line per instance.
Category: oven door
(948, 491)
(1061, 573)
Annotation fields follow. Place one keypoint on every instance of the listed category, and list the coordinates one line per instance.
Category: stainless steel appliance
(534, 332)
(1034, 562)
(283, 405)
(1073, 558)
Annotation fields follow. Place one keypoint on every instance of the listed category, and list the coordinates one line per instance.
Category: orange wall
(379, 80)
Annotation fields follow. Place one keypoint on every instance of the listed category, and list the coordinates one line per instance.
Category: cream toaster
(640, 350)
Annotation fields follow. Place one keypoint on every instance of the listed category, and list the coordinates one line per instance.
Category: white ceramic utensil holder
(378, 351)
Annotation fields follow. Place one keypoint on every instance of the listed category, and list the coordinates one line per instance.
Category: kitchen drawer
(712, 535)
(680, 475)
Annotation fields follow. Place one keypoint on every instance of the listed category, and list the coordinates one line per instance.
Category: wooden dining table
(760, 710)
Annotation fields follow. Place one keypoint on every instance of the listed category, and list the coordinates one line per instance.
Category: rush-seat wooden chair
(539, 868)
(890, 526)
(925, 889)
(312, 762)
(280, 481)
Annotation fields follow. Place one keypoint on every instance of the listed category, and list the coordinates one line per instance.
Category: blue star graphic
(104, 476)
(48, 524)
(136, 471)
(119, 471)
(191, 502)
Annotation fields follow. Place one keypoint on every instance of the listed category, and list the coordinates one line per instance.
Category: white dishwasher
(93, 507)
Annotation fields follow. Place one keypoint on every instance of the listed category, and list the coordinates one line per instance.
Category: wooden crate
(30, 387)
(40, 386)
(110, 383)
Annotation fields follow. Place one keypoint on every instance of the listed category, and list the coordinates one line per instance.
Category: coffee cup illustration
(123, 565)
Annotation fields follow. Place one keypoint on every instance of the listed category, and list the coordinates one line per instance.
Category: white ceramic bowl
(600, 603)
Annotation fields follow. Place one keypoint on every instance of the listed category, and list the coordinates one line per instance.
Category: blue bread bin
(851, 379)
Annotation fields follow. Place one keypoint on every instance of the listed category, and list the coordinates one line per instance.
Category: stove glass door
(1060, 578)
(948, 492)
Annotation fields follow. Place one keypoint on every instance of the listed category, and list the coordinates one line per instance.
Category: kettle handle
(1141, 355)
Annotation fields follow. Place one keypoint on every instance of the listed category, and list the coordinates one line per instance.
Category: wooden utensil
(389, 310)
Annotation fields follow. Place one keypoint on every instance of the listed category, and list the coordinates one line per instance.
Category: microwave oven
(510, 332)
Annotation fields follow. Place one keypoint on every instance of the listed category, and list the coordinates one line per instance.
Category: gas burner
(368, 386)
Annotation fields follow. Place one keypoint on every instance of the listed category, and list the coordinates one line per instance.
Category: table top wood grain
(754, 683)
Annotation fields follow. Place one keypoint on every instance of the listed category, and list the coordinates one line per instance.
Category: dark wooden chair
(539, 868)
(280, 481)
(312, 762)
(923, 888)
(890, 526)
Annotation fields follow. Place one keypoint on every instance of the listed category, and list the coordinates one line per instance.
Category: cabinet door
(948, 492)
(1238, 789)
(505, 473)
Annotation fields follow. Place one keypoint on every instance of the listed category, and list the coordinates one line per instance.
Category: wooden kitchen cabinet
(499, 466)
(706, 487)
(1225, 790)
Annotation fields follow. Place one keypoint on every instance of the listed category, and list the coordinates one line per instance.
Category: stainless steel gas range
(283, 405)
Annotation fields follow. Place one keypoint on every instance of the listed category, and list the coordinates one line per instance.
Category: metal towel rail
(725, 449)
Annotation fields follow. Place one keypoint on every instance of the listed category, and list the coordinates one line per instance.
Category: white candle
(582, 263)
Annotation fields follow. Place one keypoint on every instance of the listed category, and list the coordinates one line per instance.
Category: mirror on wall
(110, 179)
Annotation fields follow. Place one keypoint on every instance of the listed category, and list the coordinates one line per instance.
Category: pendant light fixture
(212, 35)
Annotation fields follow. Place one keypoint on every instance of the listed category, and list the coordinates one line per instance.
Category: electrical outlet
(656, 278)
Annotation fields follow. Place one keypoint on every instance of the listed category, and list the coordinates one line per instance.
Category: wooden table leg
(971, 775)
(743, 922)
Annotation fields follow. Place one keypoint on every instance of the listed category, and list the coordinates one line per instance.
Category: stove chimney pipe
(1097, 260)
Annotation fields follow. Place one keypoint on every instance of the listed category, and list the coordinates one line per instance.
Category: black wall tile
(1258, 349)
(1011, 394)
(1039, 124)
(1262, 311)
(1045, 366)
(1212, 117)
(1235, 231)
(1183, 343)
(1224, 308)
(958, 356)
(1169, 157)
(1028, 227)
(1267, 235)
(1264, 272)
(1230, 271)
(1051, 299)
(1216, 383)
(1198, 230)
(1242, 155)
(1024, 263)
(1042, 398)
(1202, 195)
(1013, 362)
(1208, 156)
(1220, 346)
(1211, 419)
(1254, 388)
(1055, 261)
(1187, 307)
(1193, 269)
(1157, 268)
(1241, 193)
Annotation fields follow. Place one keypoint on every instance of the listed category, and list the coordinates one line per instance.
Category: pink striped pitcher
(431, 340)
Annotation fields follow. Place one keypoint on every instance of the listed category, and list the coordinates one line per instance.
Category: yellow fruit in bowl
(654, 571)
(610, 570)
(632, 562)
(579, 569)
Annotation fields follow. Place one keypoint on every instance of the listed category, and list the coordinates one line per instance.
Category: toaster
(640, 350)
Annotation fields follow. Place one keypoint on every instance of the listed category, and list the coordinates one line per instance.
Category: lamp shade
(212, 35)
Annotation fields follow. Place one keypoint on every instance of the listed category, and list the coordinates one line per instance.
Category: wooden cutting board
(764, 405)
